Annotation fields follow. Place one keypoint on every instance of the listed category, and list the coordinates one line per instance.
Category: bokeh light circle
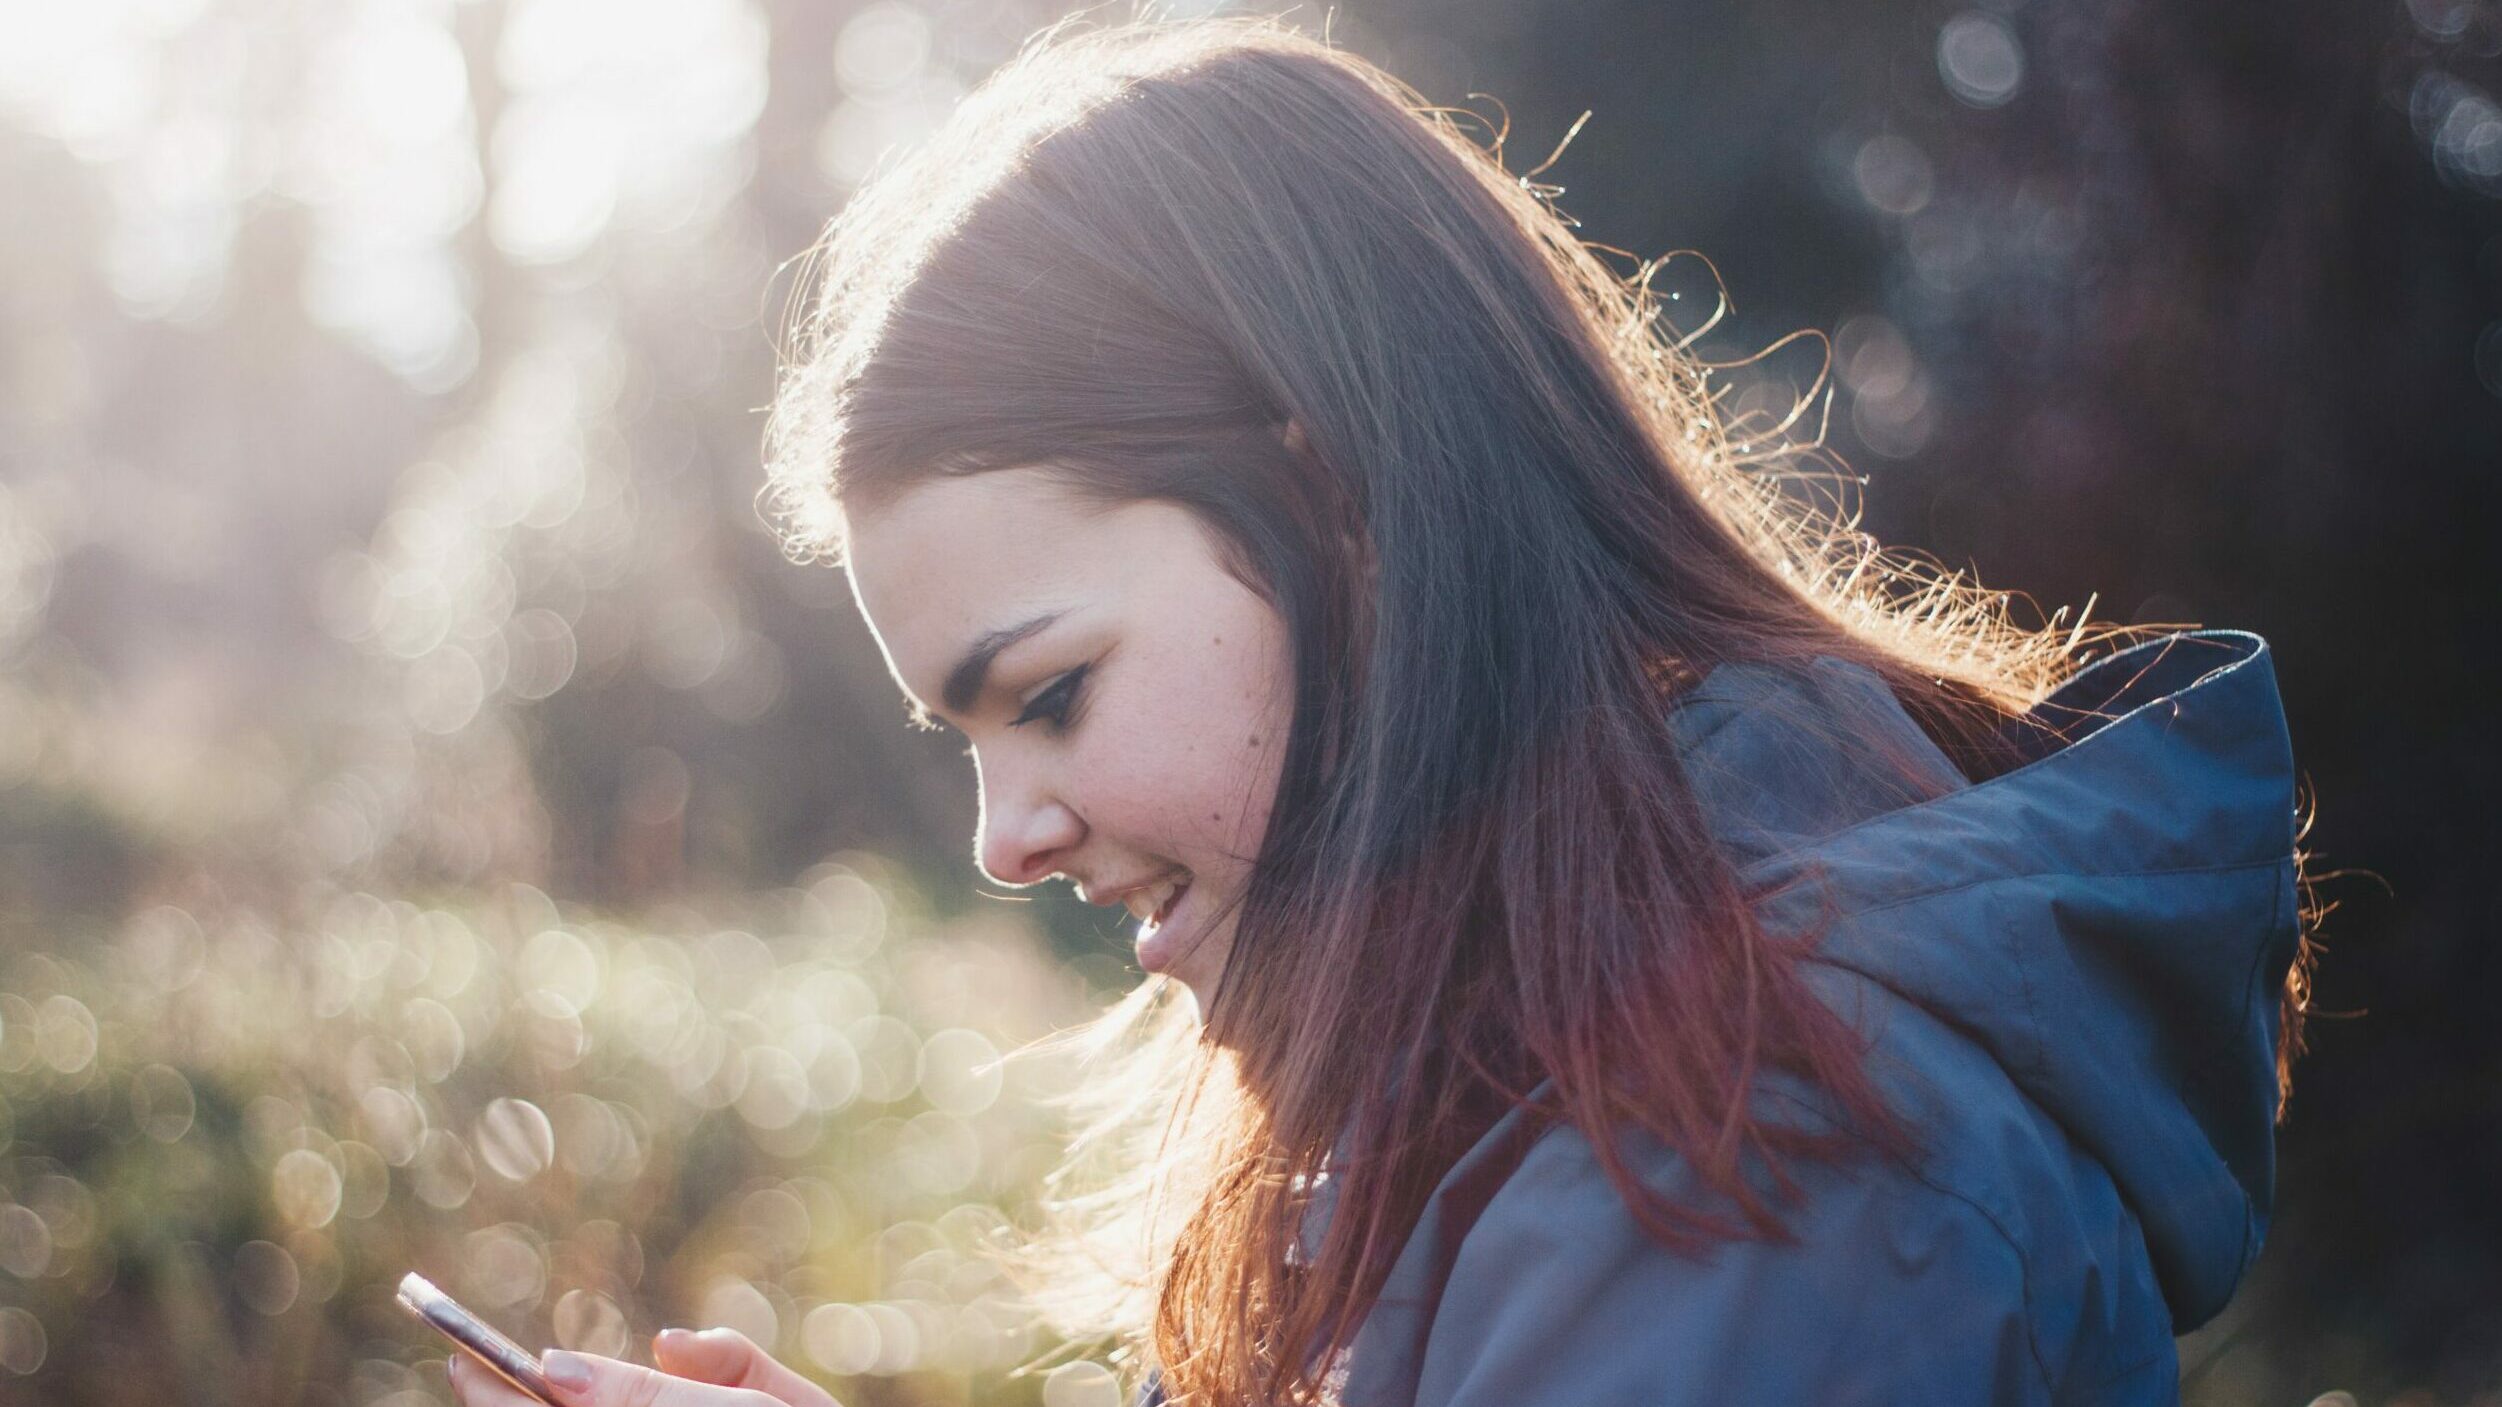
(25, 1242)
(840, 1338)
(1081, 1384)
(1979, 58)
(736, 1304)
(442, 1173)
(960, 1072)
(267, 1277)
(307, 1188)
(22, 1342)
(161, 1103)
(590, 1322)
(515, 1139)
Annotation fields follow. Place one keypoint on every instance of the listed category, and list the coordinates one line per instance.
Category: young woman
(1622, 938)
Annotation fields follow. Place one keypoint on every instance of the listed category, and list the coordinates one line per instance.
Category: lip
(1155, 943)
(1113, 895)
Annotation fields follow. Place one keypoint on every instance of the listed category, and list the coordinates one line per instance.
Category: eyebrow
(972, 671)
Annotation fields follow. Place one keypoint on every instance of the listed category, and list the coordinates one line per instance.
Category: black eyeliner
(1055, 702)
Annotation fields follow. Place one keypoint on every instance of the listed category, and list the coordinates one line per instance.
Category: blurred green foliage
(377, 561)
(226, 1137)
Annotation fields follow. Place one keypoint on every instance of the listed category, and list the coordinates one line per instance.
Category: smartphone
(506, 1359)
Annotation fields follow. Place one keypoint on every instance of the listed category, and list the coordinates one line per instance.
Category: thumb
(588, 1380)
(730, 1358)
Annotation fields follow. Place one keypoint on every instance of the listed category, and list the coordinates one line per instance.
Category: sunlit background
(437, 830)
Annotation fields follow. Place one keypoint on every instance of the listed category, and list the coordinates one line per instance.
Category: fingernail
(567, 1370)
(674, 1340)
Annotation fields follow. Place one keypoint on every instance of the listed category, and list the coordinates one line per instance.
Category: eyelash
(1054, 703)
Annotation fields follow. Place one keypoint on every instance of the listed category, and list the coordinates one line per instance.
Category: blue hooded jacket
(2069, 974)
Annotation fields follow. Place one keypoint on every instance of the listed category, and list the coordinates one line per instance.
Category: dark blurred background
(401, 701)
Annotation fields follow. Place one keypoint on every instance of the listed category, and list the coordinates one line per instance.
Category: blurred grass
(224, 1136)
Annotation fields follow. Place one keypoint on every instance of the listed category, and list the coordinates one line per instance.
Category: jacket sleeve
(1893, 1292)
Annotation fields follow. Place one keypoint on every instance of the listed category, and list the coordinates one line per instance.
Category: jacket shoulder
(2000, 1267)
(1557, 1295)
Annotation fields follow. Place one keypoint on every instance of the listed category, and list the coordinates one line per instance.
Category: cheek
(1179, 774)
(1234, 803)
(1243, 740)
(1196, 756)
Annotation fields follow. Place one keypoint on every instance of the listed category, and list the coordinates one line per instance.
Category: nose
(1025, 831)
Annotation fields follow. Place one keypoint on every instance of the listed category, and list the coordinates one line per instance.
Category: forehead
(963, 533)
(953, 557)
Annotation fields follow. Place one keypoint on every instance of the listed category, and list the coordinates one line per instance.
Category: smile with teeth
(1151, 904)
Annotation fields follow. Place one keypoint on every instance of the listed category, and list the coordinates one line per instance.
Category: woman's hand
(716, 1368)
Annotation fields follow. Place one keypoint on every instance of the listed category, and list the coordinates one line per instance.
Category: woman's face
(1126, 697)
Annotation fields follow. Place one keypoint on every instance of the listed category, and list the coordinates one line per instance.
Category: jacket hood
(2113, 918)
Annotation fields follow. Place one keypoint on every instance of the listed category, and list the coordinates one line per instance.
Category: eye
(1054, 704)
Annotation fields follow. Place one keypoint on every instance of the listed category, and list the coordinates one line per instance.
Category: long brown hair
(1514, 525)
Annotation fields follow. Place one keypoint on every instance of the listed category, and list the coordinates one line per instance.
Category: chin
(1200, 987)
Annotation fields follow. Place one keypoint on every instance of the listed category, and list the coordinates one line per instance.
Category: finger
(588, 1380)
(476, 1387)
(730, 1358)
